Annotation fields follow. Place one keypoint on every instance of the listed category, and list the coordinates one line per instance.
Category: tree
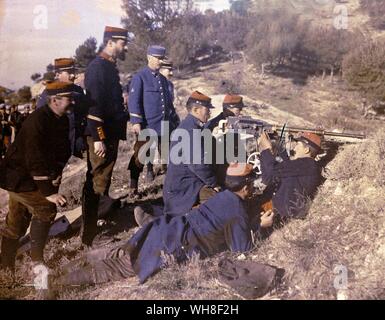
(24, 94)
(328, 46)
(36, 77)
(185, 37)
(86, 52)
(50, 68)
(376, 11)
(364, 69)
(275, 35)
(241, 7)
(150, 21)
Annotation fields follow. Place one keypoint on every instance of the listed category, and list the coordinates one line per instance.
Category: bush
(345, 227)
(363, 68)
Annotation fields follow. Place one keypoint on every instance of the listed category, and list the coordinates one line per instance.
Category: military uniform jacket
(171, 89)
(37, 157)
(290, 183)
(183, 181)
(219, 224)
(150, 101)
(104, 93)
(77, 119)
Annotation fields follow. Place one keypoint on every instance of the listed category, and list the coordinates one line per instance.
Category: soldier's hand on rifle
(267, 219)
(136, 128)
(264, 142)
(57, 199)
(100, 149)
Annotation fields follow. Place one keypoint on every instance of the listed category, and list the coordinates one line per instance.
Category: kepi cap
(63, 89)
(310, 138)
(64, 64)
(115, 33)
(156, 51)
(200, 99)
(233, 101)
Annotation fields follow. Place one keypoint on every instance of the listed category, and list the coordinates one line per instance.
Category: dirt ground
(308, 249)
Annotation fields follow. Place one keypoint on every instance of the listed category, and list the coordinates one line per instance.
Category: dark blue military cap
(156, 51)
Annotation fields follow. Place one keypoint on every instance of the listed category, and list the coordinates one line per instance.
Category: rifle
(255, 127)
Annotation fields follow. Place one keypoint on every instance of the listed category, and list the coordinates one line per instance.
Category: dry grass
(345, 226)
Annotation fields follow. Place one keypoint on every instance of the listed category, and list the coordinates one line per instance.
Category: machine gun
(255, 127)
(251, 129)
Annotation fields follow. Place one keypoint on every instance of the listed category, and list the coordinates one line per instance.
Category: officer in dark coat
(292, 182)
(14, 119)
(150, 103)
(65, 72)
(220, 224)
(189, 183)
(167, 71)
(31, 173)
(106, 125)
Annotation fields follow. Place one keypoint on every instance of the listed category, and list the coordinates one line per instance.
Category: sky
(35, 32)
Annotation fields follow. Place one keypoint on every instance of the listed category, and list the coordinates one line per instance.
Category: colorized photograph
(192, 154)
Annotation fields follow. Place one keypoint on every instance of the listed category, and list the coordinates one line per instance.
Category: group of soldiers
(202, 213)
(11, 120)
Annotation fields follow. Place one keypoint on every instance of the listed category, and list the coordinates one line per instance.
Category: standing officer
(65, 72)
(149, 103)
(106, 125)
(167, 71)
(31, 173)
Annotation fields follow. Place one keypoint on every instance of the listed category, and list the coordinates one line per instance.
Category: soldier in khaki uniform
(31, 173)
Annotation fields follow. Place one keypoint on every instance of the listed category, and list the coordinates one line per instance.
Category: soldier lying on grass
(220, 224)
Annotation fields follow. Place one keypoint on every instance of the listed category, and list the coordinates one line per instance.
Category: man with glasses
(149, 103)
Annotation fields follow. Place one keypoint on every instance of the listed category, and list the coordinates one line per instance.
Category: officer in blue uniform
(65, 72)
(188, 184)
(149, 103)
(106, 125)
(292, 182)
(220, 224)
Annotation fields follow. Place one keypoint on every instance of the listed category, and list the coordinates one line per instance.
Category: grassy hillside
(345, 225)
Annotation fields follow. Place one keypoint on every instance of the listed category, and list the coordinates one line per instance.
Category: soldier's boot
(133, 186)
(150, 176)
(90, 205)
(39, 235)
(141, 216)
(8, 253)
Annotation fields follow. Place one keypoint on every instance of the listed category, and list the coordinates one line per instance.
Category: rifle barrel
(323, 132)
